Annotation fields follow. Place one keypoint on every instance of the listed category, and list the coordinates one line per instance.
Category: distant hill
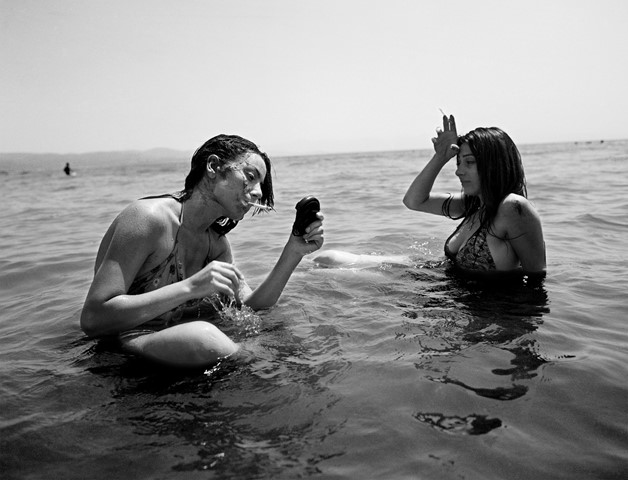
(152, 154)
(23, 161)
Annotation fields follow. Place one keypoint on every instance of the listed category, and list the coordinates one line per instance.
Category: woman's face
(240, 185)
(467, 171)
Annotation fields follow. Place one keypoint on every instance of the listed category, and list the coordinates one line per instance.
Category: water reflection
(471, 424)
(461, 325)
(256, 415)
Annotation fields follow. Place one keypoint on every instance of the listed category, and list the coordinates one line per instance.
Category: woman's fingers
(233, 277)
(449, 124)
(313, 238)
(225, 278)
(446, 138)
(452, 123)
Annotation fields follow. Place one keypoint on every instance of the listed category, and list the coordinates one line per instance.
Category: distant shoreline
(169, 153)
(25, 162)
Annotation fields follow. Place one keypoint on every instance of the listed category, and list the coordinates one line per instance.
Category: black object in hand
(307, 208)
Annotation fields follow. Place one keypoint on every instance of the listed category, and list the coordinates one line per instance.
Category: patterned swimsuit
(166, 273)
(474, 254)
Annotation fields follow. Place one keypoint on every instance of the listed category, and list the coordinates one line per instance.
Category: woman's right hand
(445, 141)
(217, 277)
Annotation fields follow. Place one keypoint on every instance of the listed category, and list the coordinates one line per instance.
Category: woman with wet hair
(165, 258)
(500, 230)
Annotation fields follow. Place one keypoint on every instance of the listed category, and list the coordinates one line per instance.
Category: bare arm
(525, 233)
(419, 195)
(269, 291)
(131, 239)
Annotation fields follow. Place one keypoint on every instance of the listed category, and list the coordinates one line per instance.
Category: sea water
(398, 370)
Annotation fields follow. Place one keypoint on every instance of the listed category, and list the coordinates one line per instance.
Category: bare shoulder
(516, 216)
(143, 225)
(516, 207)
(147, 217)
(519, 222)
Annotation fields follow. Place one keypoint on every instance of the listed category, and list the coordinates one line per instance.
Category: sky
(307, 76)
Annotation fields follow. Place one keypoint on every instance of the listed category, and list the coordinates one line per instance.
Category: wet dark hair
(500, 170)
(228, 148)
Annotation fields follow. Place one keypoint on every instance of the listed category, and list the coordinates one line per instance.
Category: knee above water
(211, 341)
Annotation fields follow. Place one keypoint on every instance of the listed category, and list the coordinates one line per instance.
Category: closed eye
(251, 174)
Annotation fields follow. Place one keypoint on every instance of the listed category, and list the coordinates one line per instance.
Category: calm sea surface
(398, 371)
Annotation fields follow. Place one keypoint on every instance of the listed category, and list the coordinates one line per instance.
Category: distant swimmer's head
(221, 154)
(498, 163)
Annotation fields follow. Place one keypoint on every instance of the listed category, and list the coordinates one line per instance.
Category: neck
(200, 212)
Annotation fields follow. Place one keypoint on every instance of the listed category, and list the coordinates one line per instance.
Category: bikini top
(167, 272)
(474, 254)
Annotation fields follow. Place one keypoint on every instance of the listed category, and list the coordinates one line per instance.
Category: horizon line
(280, 154)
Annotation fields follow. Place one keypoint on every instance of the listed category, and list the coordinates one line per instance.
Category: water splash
(242, 317)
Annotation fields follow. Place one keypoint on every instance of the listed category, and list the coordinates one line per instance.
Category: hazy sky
(299, 76)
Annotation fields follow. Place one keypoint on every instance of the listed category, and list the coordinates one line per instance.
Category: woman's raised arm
(419, 195)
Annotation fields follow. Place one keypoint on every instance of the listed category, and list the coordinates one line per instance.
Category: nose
(256, 191)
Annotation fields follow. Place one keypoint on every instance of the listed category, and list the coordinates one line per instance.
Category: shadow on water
(454, 316)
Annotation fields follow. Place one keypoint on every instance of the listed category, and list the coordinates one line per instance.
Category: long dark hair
(500, 170)
(227, 148)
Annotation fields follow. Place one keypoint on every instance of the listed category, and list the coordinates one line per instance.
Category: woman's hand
(312, 240)
(419, 196)
(267, 294)
(217, 277)
(445, 141)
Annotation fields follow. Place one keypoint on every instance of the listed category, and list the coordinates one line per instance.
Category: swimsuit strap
(169, 267)
(166, 273)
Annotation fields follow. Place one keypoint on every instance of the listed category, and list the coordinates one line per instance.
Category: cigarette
(261, 207)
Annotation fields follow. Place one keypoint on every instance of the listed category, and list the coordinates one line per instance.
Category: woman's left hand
(445, 141)
(312, 240)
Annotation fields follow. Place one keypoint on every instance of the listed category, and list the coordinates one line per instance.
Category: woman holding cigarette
(163, 257)
(500, 230)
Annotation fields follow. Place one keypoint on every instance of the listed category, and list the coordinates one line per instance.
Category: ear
(212, 165)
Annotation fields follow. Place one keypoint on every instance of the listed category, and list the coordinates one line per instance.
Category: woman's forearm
(419, 191)
(269, 291)
(123, 312)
